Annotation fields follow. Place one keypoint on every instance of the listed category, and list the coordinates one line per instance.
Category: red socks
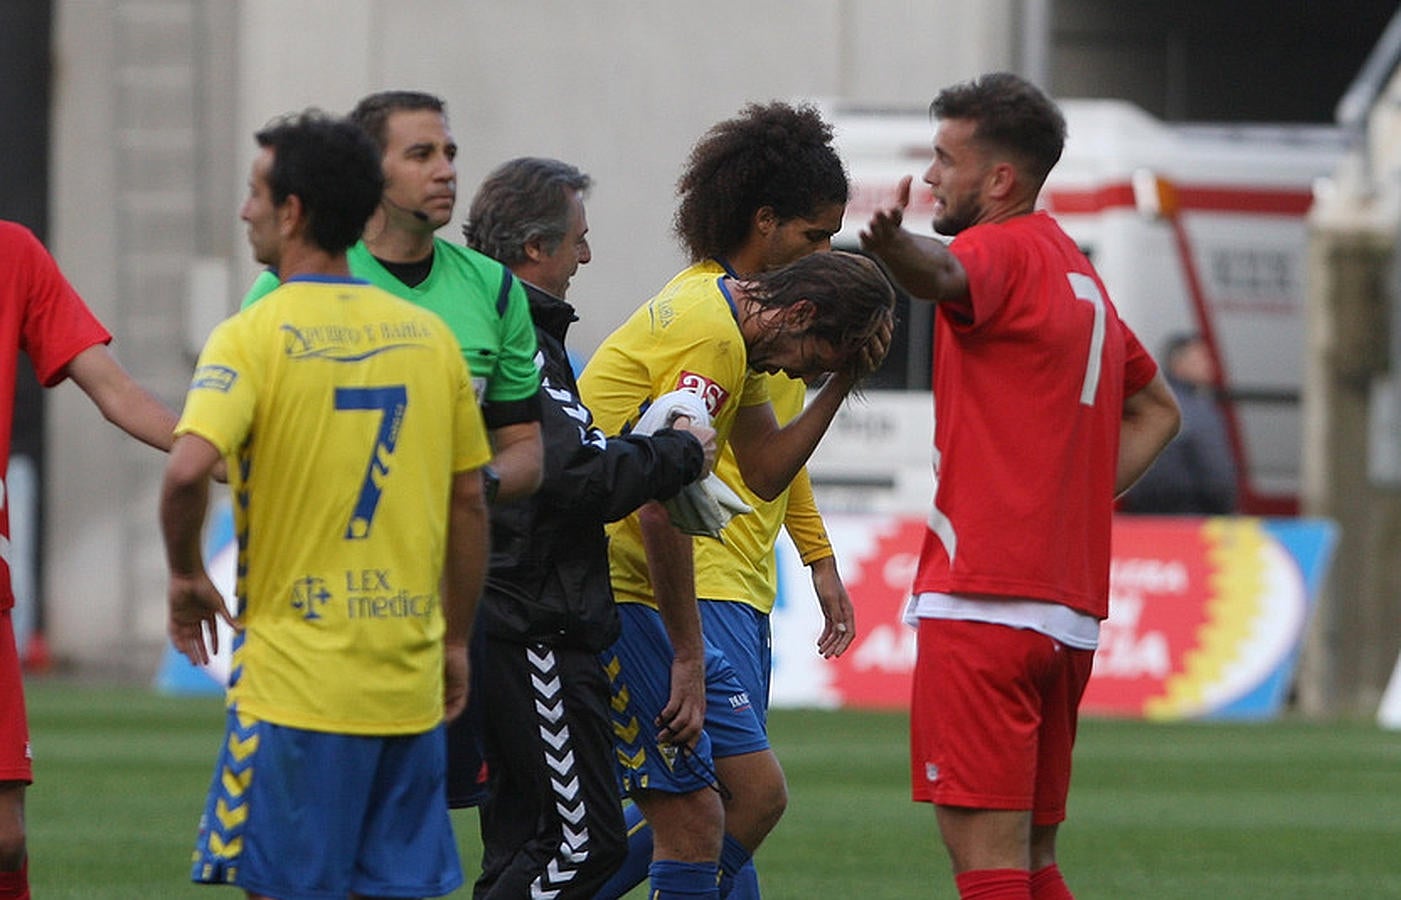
(1048, 884)
(994, 884)
(15, 885)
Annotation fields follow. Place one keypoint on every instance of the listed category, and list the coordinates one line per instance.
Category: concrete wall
(156, 101)
(127, 170)
(621, 89)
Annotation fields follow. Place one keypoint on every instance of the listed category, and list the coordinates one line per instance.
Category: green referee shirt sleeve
(264, 284)
(517, 377)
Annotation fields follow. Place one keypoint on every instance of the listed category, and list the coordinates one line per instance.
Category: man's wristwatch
(491, 484)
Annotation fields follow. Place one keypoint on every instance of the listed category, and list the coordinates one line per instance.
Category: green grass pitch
(1271, 810)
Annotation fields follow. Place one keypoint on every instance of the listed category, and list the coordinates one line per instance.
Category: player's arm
(513, 401)
(768, 456)
(195, 604)
(611, 477)
(804, 525)
(1151, 419)
(923, 265)
(121, 400)
(517, 459)
(464, 573)
(671, 561)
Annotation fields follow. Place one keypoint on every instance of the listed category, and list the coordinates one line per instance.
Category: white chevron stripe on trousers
(564, 783)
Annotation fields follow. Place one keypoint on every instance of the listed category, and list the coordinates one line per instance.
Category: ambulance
(1193, 227)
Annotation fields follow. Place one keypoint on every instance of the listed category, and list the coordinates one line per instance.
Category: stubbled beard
(955, 220)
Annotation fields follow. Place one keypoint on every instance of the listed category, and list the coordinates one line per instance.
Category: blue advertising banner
(1207, 616)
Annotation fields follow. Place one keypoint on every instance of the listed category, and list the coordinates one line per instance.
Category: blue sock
(633, 871)
(672, 879)
(738, 879)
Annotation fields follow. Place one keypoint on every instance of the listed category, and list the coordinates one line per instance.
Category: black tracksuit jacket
(548, 579)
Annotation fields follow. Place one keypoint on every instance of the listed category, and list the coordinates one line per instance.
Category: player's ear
(765, 220)
(534, 250)
(291, 216)
(800, 315)
(1002, 180)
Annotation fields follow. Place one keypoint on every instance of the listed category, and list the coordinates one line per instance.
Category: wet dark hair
(332, 167)
(1012, 115)
(373, 111)
(771, 154)
(851, 297)
(522, 200)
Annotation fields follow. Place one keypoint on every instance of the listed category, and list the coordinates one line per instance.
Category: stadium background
(127, 141)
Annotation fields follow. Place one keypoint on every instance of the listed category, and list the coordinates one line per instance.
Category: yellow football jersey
(685, 338)
(343, 412)
(741, 566)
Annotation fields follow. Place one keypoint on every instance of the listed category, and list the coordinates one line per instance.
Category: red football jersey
(41, 314)
(1028, 398)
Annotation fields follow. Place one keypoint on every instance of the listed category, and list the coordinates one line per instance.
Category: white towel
(704, 507)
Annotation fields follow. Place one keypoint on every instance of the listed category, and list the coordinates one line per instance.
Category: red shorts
(14, 723)
(993, 717)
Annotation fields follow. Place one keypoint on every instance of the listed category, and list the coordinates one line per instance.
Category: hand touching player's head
(826, 312)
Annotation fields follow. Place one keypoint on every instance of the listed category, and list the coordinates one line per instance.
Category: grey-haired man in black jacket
(551, 819)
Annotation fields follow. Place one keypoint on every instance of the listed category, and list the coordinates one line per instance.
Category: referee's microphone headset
(416, 213)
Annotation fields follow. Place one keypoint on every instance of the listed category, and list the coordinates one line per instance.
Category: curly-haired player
(760, 191)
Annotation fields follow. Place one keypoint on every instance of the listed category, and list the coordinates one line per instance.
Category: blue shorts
(742, 634)
(639, 668)
(306, 814)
